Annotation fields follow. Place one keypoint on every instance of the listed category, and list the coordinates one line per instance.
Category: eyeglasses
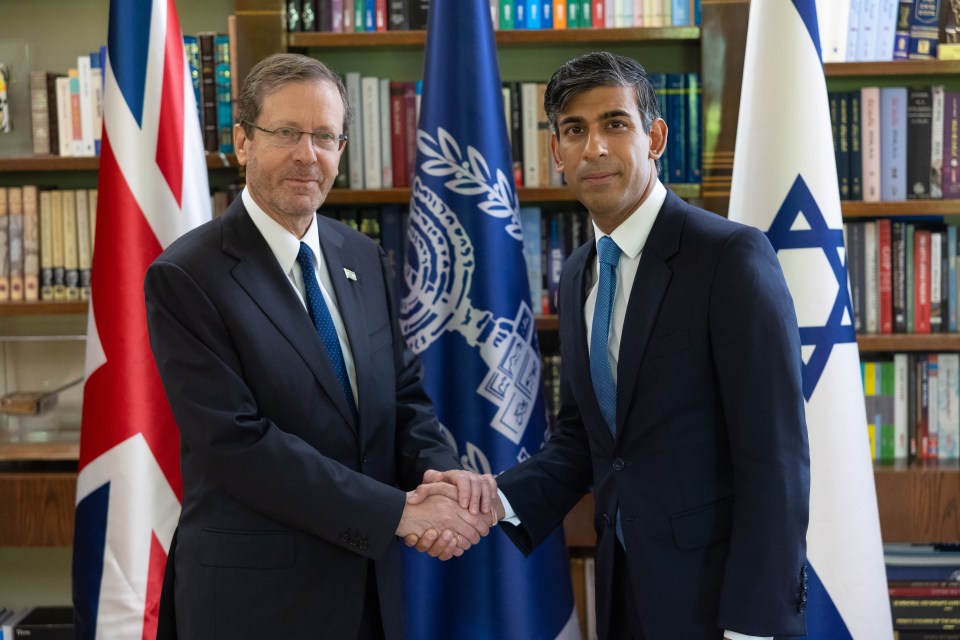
(288, 137)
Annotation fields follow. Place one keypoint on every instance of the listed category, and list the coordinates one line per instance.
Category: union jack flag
(152, 188)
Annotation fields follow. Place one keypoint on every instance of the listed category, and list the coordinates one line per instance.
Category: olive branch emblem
(470, 177)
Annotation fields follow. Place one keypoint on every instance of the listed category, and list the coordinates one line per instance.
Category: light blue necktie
(603, 385)
(322, 320)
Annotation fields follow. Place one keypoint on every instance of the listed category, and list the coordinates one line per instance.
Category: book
(64, 117)
(31, 244)
(46, 246)
(86, 100)
(386, 149)
(901, 36)
(84, 248)
(950, 179)
(56, 217)
(856, 154)
(208, 89)
(937, 112)
(224, 106)
(46, 623)
(15, 238)
(355, 130)
(893, 143)
(372, 164)
(531, 146)
(71, 265)
(924, 29)
(39, 112)
(919, 121)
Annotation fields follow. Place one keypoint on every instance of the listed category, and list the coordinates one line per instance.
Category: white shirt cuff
(733, 635)
(510, 515)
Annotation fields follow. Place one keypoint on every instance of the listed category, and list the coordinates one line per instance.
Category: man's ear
(658, 138)
(558, 161)
(240, 140)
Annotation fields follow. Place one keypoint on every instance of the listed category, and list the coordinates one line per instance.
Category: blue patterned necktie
(323, 321)
(603, 384)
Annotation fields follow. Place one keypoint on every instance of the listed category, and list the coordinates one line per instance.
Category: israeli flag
(785, 182)
(467, 312)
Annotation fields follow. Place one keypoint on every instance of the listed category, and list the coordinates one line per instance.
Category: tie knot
(608, 251)
(305, 257)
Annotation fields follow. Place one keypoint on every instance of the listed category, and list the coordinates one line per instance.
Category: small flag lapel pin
(350, 274)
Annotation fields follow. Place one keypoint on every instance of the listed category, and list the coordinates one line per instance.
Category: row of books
(897, 143)
(46, 241)
(345, 16)
(382, 147)
(923, 581)
(37, 623)
(66, 109)
(903, 276)
(912, 406)
(883, 30)
(893, 30)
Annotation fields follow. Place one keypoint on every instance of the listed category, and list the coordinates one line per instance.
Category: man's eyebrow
(615, 113)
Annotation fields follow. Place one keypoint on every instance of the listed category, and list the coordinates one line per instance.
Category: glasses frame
(341, 138)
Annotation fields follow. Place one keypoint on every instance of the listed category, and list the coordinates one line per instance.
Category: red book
(921, 285)
(599, 13)
(398, 135)
(380, 11)
(410, 99)
(885, 274)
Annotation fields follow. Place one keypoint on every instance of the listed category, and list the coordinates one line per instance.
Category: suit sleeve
(543, 488)
(268, 469)
(753, 328)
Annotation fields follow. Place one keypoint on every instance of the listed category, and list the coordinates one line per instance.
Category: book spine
(84, 250)
(15, 211)
(531, 150)
(224, 93)
(919, 119)
(355, 130)
(71, 266)
(951, 145)
(855, 163)
(386, 148)
(900, 405)
(885, 274)
(924, 29)
(922, 284)
(59, 280)
(901, 42)
(31, 244)
(208, 90)
(46, 246)
(893, 143)
(370, 95)
(39, 113)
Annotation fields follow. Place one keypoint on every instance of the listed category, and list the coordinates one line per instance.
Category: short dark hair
(276, 71)
(600, 69)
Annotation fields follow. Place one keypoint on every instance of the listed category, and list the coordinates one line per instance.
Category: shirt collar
(284, 245)
(633, 232)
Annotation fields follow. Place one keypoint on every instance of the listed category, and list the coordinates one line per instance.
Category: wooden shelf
(909, 342)
(417, 39)
(58, 163)
(892, 68)
(41, 308)
(42, 451)
(916, 503)
(857, 209)
(534, 194)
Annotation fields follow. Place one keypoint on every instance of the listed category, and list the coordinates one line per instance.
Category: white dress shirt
(285, 247)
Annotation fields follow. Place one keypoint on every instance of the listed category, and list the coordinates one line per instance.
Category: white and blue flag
(467, 312)
(785, 182)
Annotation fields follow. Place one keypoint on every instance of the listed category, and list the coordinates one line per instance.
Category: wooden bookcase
(917, 503)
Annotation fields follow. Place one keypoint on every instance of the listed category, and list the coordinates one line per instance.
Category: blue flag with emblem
(785, 182)
(467, 312)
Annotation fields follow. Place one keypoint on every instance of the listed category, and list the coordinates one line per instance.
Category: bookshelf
(918, 503)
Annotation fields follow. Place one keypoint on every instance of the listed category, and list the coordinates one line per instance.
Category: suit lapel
(649, 289)
(259, 274)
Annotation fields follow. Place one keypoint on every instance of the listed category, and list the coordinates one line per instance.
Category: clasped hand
(450, 512)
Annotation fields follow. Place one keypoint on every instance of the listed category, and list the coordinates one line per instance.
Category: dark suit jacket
(286, 499)
(710, 465)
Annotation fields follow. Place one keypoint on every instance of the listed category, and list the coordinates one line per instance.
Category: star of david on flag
(152, 188)
(785, 183)
(467, 312)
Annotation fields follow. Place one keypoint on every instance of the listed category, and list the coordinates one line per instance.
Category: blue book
(676, 128)
(853, 30)
(520, 14)
(901, 36)
(369, 15)
(694, 132)
(680, 14)
(533, 14)
(221, 53)
(532, 254)
(191, 47)
(556, 254)
(924, 29)
(546, 14)
(893, 143)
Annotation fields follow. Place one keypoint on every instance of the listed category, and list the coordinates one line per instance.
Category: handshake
(450, 512)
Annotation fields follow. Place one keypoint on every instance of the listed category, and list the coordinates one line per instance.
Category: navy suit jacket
(286, 498)
(710, 466)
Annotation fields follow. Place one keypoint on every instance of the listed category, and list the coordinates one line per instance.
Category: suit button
(802, 607)
(364, 460)
(618, 464)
